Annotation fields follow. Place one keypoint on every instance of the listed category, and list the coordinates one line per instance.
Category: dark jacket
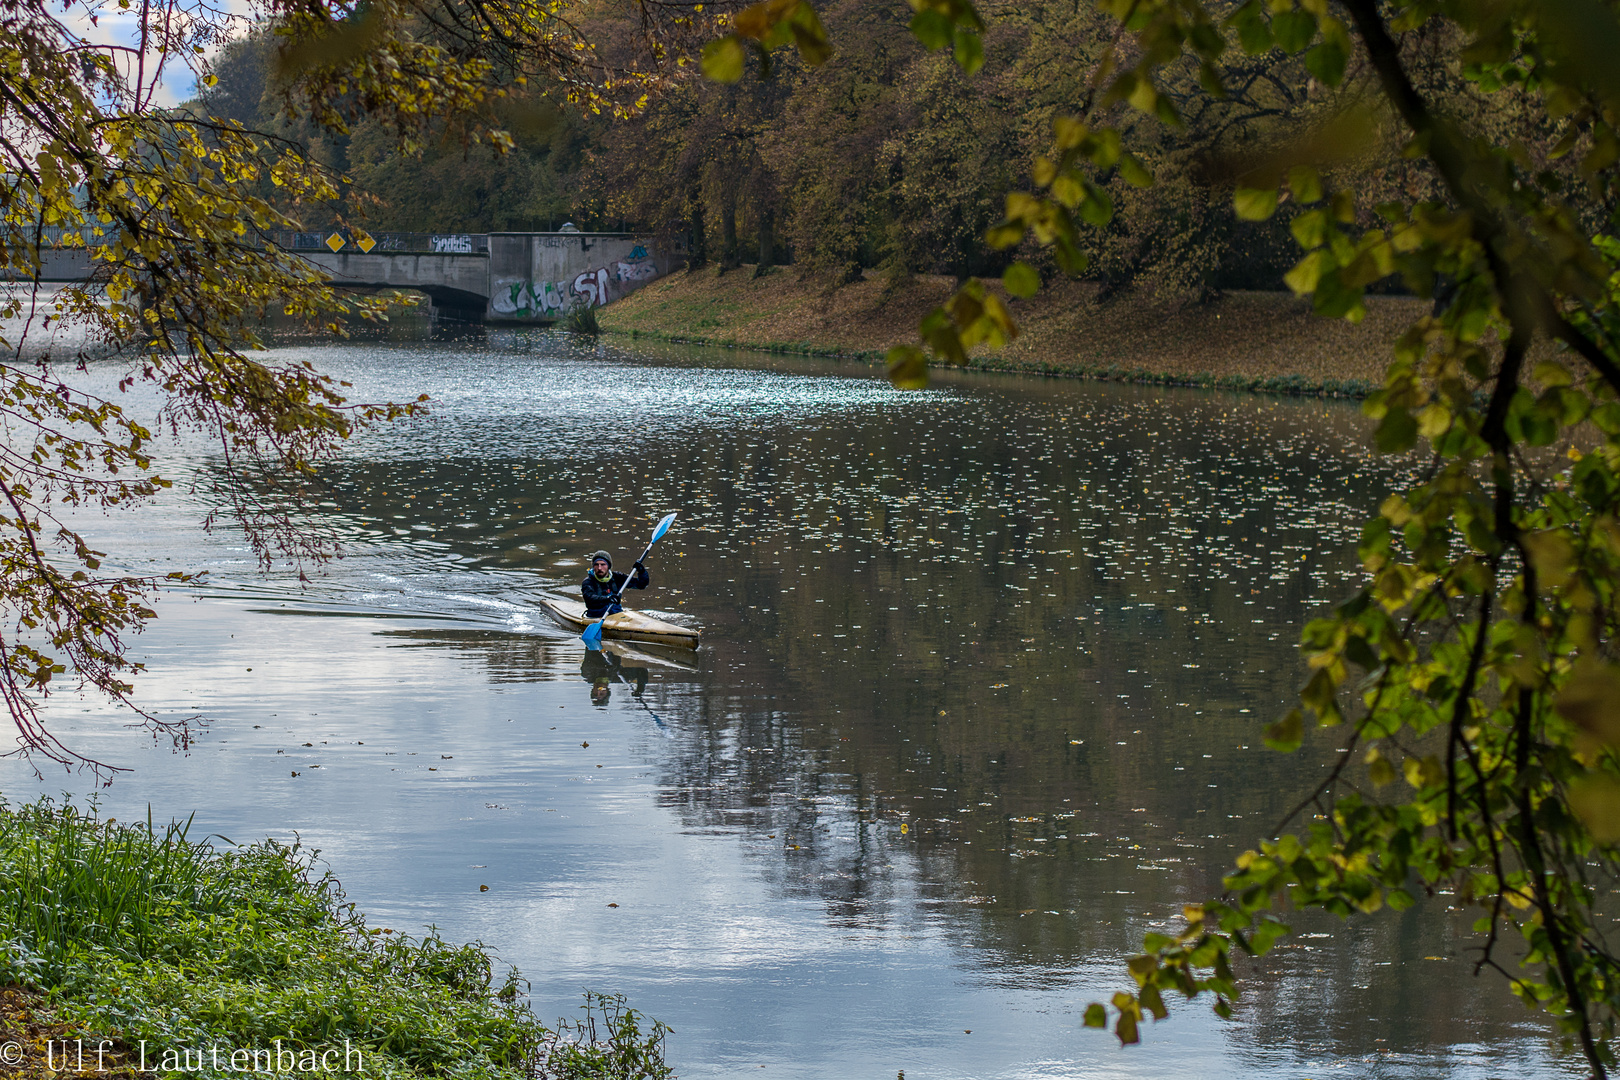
(598, 593)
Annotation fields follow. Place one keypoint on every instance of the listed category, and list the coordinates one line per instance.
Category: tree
(174, 212)
(1472, 683)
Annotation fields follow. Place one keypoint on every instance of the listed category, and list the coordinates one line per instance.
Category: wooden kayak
(623, 626)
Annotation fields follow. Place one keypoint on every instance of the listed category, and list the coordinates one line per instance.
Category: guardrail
(336, 240)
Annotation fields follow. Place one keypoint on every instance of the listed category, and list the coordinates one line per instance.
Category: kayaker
(601, 583)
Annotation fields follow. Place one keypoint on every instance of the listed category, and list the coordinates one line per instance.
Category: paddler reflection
(603, 668)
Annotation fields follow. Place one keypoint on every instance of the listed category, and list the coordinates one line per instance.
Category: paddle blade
(592, 637)
(663, 527)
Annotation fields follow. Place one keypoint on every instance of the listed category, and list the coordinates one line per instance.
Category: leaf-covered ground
(1253, 337)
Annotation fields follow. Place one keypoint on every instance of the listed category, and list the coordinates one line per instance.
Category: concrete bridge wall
(519, 277)
(459, 283)
(543, 276)
(501, 277)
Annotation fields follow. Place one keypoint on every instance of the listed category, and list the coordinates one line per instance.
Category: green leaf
(1070, 259)
(1293, 30)
(723, 59)
(1134, 172)
(1286, 734)
(810, 36)
(1206, 40)
(932, 28)
(1596, 801)
(1307, 273)
(1255, 204)
(969, 50)
(1397, 432)
(1310, 231)
(1327, 62)
(1380, 772)
(1333, 298)
(1265, 935)
(1021, 280)
(908, 367)
(1254, 33)
(1096, 1015)
(1096, 208)
(1305, 183)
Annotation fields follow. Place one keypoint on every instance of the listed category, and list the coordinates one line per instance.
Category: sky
(103, 22)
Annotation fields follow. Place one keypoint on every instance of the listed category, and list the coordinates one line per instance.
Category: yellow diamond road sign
(365, 243)
(335, 241)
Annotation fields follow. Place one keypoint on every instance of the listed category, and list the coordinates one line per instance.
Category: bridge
(470, 277)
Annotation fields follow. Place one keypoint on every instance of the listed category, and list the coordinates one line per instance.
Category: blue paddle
(592, 637)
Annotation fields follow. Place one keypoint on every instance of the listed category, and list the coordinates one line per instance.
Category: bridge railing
(390, 242)
(57, 236)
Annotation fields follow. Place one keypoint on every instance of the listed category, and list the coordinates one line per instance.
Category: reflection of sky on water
(1036, 623)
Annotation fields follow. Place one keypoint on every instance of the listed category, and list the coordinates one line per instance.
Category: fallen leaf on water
(483, 888)
(613, 905)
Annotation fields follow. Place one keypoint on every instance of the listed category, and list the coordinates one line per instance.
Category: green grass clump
(582, 320)
(142, 933)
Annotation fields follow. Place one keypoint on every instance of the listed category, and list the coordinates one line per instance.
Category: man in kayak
(601, 583)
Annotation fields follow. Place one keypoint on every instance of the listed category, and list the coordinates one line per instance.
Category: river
(980, 700)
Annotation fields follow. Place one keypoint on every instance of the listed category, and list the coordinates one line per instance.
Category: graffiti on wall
(453, 245)
(592, 288)
(521, 298)
(525, 299)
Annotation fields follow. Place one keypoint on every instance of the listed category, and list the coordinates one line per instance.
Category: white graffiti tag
(529, 299)
(454, 245)
(637, 272)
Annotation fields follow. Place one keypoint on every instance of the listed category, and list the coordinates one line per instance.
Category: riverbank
(1242, 340)
(132, 951)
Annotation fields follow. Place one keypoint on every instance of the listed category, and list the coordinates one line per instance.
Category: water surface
(984, 673)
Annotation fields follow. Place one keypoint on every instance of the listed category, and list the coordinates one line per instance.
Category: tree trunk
(697, 248)
(730, 257)
(767, 239)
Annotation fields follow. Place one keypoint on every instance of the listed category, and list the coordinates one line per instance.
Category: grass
(582, 320)
(136, 933)
(1255, 341)
(1295, 385)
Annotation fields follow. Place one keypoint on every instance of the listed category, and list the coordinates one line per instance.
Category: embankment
(1242, 340)
(128, 951)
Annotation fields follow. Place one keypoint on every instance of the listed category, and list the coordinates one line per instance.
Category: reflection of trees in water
(1385, 989)
(1022, 625)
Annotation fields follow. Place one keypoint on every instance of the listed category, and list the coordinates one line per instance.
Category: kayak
(623, 626)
